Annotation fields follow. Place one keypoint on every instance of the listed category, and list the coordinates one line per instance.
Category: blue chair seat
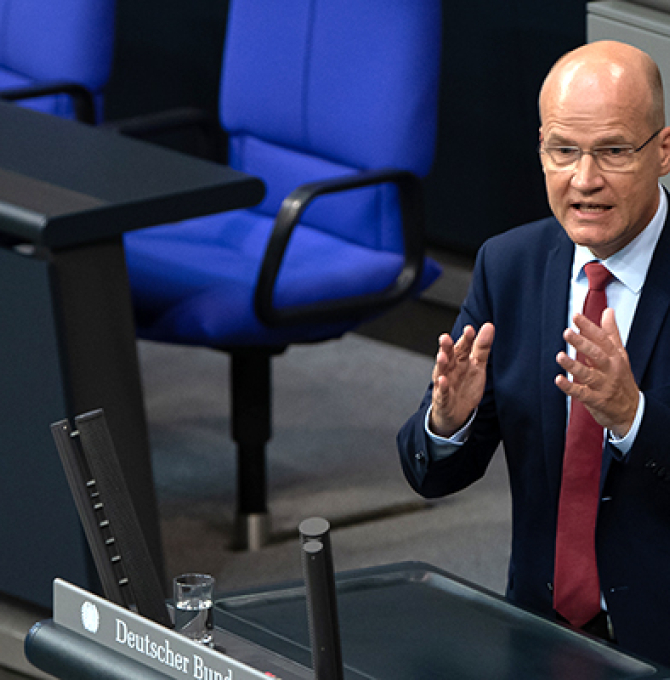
(211, 303)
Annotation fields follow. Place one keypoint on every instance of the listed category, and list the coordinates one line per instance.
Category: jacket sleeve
(435, 478)
(651, 444)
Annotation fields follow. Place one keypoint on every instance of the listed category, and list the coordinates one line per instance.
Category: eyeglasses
(612, 158)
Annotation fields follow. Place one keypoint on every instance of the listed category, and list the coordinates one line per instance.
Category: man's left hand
(602, 380)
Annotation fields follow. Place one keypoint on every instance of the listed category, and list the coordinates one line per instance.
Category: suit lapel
(555, 293)
(652, 308)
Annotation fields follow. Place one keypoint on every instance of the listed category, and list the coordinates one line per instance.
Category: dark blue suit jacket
(521, 284)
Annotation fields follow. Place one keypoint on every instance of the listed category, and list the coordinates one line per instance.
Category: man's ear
(664, 137)
(541, 139)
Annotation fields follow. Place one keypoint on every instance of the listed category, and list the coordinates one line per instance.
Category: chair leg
(251, 417)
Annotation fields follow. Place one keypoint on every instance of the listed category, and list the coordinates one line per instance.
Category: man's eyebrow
(612, 140)
(559, 140)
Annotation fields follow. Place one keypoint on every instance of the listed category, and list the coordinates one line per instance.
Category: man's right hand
(459, 377)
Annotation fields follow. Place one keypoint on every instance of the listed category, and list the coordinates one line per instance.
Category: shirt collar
(630, 264)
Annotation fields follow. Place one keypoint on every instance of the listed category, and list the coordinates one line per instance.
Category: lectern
(68, 192)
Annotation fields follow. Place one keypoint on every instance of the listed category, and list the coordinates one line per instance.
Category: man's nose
(587, 173)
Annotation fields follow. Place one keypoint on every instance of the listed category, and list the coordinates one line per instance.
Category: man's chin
(596, 236)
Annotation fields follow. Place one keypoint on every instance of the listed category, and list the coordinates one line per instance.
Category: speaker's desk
(67, 338)
(404, 621)
(414, 622)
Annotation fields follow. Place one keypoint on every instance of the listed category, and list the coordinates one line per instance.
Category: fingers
(588, 337)
(444, 357)
(608, 329)
(594, 346)
(482, 344)
(464, 345)
(471, 347)
(595, 343)
(608, 324)
(450, 354)
(584, 378)
(601, 375)
(459, 377)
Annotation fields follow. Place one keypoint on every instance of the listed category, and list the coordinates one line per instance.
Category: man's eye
(567, 151)
(612, 151)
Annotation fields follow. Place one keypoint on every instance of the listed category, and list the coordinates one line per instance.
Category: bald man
(521, 352)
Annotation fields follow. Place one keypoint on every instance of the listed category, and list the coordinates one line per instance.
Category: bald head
(604, 96)
(630, 74)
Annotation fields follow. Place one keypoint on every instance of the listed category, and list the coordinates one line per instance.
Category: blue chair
(334, 106)
(56, 55)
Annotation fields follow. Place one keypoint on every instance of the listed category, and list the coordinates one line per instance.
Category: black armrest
(411, 203)
(151, 125)
(84, 105)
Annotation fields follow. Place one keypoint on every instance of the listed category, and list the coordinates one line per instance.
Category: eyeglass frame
(595, 152)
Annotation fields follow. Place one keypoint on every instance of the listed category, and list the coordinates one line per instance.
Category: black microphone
(324, 629)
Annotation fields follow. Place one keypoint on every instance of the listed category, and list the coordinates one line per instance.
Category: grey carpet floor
(337, 407)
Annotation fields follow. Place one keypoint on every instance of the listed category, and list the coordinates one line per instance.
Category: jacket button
(420, 456)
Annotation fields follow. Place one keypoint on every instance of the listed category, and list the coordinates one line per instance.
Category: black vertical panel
(168, 54)
(40, 534)
(487, 176)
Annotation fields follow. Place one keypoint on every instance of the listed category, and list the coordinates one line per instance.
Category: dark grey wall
(486, 177)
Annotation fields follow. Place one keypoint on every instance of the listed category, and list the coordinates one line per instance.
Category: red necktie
(576, 583)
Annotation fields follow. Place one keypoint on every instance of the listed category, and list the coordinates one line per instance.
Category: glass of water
(193, 611)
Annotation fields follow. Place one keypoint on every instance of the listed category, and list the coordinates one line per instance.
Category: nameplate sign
(142, 640)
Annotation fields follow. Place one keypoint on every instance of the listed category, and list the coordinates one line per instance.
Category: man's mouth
(593, 208)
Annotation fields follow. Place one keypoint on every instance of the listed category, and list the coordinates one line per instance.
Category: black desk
(414, 622)
(405, 621)
(67, 338)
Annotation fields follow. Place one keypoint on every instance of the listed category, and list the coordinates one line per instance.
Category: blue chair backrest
(56, 40)
(320, 88)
